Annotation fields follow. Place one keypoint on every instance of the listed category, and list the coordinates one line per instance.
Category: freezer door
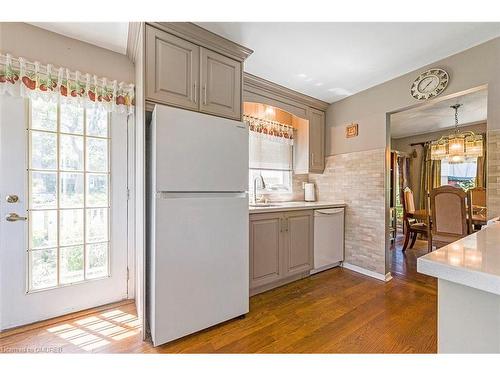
(198, 152)
(200, 263)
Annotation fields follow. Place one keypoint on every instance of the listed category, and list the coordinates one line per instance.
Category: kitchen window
(272, 158)
(461, 175)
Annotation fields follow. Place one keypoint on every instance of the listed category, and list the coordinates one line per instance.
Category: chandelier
(457, 146)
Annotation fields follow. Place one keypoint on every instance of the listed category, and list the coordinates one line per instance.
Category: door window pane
(68, 211)
(43, 268)
(71, 264)
(97, 260)
(71, 119)
(97, 225)
(71, 190)
(97, 155)
(43, 229)
(43, 190)
(43, 150)
(71, 152)
(97, 122)
(43, 115)
(97, 190)
(71, 227)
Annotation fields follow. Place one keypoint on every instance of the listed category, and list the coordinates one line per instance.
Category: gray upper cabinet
(316, 141)
(298, 255)
(172, 69)
(220, 79)
(189, 75)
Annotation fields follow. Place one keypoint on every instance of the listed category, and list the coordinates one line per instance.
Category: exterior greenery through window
(68, 188)
(461, 175)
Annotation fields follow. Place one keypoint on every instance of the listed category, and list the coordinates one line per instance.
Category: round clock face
(429, 84)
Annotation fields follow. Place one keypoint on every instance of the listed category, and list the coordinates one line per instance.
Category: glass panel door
(69, 195)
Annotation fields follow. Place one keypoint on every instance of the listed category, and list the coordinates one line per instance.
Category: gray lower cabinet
(281, 248)
(266, 245)
(298, 255)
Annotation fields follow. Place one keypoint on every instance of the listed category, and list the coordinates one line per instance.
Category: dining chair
(450, 215)
(411, 226)
(478, 196)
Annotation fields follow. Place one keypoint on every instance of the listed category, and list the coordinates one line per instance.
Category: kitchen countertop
(294, 206)
(473, 261)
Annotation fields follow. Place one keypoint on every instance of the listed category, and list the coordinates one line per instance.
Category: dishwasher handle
(329, 212)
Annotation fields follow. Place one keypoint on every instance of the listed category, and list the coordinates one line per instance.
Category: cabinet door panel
(220, 85)
(299, 242)
(316, 141)
(265, 239)
(172, 69)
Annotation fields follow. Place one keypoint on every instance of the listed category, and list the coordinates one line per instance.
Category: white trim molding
(379, 276)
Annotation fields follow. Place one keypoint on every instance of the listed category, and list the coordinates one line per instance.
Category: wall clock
(429, 84)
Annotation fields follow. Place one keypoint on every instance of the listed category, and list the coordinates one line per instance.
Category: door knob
(12, 198)
(14, 217)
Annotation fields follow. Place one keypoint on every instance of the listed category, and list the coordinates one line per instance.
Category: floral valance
(268, 128)
(19, 77)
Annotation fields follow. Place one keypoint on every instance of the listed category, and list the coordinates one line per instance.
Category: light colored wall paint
(471, 68)
(36, 44)
(403, 145)
(475, 67)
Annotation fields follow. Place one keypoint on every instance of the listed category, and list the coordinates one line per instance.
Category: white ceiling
(330, 61)
(109, 35)
(439, 116)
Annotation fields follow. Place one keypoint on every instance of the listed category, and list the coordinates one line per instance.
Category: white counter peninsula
(468, 273)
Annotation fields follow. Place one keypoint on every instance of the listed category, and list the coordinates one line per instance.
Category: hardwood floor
(336, 311)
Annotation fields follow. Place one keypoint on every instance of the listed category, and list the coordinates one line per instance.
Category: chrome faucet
(262, 185)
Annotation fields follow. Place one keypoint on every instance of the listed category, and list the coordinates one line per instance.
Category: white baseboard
(364, 271)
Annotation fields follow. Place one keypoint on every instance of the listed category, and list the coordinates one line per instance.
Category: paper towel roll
(309, 194)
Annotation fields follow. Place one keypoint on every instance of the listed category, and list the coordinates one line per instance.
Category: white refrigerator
(198, 250)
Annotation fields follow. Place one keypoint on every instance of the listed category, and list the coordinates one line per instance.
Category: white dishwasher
(328, 238)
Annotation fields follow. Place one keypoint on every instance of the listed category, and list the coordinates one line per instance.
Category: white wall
(35, 44)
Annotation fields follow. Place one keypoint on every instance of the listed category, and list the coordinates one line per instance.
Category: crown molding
(198, 35)
(134, 32)
(261, 86)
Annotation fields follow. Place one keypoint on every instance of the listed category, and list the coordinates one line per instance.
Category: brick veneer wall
(493, 173)
(358, 179)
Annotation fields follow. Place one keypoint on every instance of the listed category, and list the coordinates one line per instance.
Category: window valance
(272, 130)
(19, 77)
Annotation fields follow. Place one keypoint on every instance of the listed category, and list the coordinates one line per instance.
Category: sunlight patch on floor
(98, 330)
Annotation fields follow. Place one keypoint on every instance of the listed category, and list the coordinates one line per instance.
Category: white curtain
(269, 152)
